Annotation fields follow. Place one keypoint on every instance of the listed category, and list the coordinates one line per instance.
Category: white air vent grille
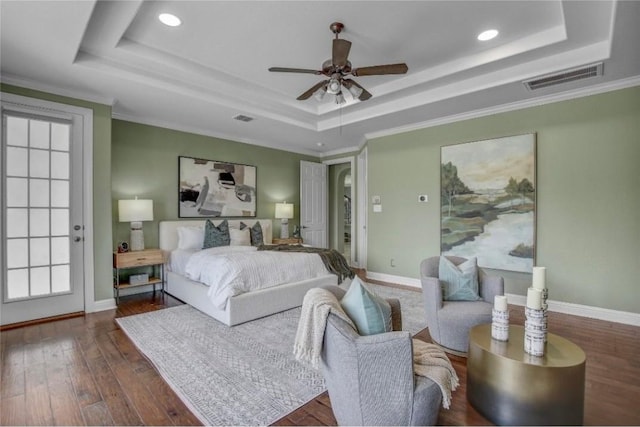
(243, 118)
(566, 76)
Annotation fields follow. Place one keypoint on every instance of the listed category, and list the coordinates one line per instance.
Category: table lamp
(135, 211)
(284, 211)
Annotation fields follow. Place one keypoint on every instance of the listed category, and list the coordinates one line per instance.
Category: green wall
(588, 189)
(145, 164)
(101, 183)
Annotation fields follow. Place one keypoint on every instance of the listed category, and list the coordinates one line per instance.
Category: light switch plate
(377, 208)
(375, 200)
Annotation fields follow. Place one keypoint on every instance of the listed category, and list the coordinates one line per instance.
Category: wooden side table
(146, 258)
(511, 387)
(288, 241)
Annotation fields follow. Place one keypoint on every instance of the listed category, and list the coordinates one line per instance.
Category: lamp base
(284, 229)
(136, 240)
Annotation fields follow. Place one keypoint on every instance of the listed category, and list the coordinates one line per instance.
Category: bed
(239, 308)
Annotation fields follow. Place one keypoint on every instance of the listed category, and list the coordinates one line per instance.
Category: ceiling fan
(338, 68)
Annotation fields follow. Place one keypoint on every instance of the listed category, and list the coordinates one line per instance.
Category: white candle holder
(500, 325)
(534, 331)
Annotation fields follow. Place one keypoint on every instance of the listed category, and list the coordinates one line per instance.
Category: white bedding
(233, 270)
(178, 260)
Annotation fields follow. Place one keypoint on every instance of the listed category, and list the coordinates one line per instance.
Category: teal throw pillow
(257, 237)
(216, 236)
(459, 282)
(370, 313)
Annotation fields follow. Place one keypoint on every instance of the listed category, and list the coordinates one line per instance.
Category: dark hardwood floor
(85, 371)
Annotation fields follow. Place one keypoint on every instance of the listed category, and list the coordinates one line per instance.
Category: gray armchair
(370, 378)
(449, 322)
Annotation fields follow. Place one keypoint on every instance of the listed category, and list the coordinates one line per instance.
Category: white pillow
(190, 237)
(265, 227)
(240, 237)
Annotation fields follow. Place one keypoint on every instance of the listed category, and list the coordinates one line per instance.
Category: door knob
(77, 239)
(77, 227)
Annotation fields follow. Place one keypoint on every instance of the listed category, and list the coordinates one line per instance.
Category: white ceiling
(197, 76)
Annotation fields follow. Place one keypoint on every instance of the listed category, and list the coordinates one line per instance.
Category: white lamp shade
(284, 210)
(135, 210)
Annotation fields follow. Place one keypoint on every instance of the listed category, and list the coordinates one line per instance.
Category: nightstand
(146, 258)
(287, 241)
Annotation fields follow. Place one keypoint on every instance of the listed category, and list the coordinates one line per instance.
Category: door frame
(362, 208)
(354, 206)
(84, 117)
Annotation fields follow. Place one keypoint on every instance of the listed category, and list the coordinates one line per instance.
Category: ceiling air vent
(566, 76)
(243, 118)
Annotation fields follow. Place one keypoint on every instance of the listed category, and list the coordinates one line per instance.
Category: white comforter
(233, 270)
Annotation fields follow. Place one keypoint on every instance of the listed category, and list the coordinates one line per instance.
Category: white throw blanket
(316, 306)
(431, 361)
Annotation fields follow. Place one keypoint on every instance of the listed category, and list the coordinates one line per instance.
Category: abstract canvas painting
(209, 188)
(488, 201)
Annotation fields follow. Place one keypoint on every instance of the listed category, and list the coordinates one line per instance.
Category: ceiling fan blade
(378, 70)
(364, 95)
(311, 91)
(340, 52)
(294, 70)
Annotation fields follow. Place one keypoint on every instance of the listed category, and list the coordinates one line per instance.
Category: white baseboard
(101, 305)
(110, 303)
(600, 313)
(399, 280)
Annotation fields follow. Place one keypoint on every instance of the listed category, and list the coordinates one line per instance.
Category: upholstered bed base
(240, 308)
(245, 307)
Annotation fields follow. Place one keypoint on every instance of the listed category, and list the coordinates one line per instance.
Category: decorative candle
(500, 303)
(534, 298)
(539, 277)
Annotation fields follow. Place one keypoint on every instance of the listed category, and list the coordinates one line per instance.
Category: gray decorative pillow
(216, 236)
(257, 238)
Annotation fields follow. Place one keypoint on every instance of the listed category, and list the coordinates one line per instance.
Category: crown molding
(55, 90)
(339, 151)
(207, 132)
(513, 106)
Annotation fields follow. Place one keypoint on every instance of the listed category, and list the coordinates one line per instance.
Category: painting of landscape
(487, 199)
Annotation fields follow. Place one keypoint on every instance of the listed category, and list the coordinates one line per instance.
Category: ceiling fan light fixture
(334, 86)
(319, 94)
(169, 19)
(340, 98)
(487, 35)
(355, 91)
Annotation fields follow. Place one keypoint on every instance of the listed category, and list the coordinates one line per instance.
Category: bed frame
(240, 308)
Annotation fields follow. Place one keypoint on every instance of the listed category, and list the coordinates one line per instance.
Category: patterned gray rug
(241, 375)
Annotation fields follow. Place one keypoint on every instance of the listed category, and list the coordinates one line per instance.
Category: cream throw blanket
(432, 362)
(429, 360)
(316, 306)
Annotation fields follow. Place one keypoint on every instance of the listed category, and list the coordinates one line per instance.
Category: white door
(42, 214)
(313, 203)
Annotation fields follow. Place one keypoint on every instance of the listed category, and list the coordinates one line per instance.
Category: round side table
(511, 387)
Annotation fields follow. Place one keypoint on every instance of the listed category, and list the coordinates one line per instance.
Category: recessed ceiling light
(320, 144)
(169, 19)
(487, 35)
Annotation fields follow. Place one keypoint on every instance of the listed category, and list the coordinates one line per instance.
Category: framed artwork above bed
(210, 188)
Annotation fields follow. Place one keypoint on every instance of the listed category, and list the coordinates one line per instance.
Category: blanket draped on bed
(332, 259)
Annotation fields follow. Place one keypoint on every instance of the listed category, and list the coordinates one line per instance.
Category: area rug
(240, 375)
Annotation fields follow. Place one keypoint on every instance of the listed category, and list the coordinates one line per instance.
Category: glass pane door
(37, 205)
